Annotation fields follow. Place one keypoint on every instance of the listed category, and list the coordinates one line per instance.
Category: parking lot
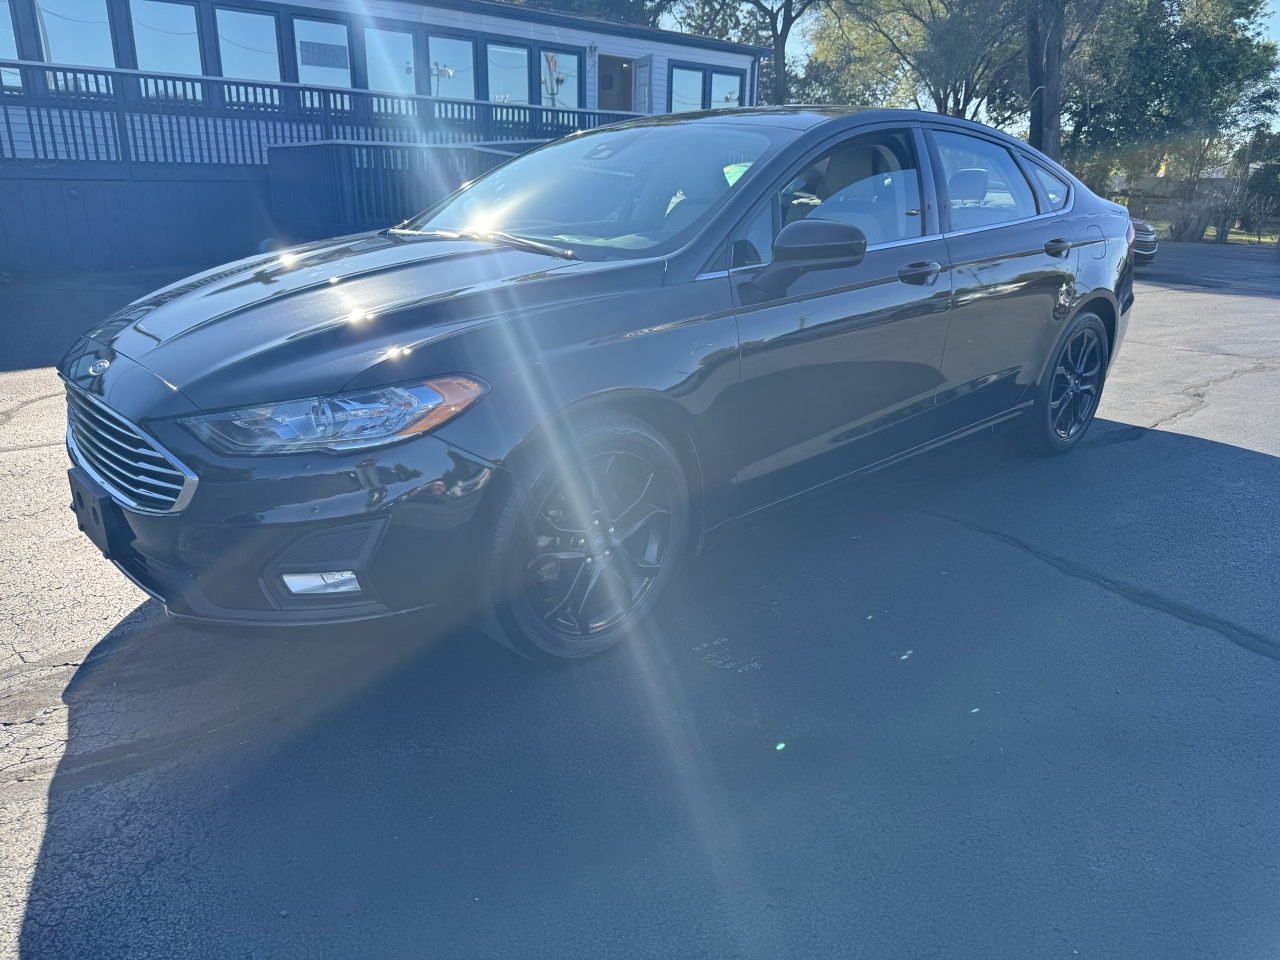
(977, 706)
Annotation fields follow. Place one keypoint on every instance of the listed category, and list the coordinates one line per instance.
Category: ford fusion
(528, 403)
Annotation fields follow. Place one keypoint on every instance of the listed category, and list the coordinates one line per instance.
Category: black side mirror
(802, 246)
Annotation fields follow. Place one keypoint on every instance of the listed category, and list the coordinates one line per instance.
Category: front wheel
(1067, 396)
(589, 527)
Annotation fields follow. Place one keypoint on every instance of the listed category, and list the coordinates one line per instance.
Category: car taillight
(1128, 237)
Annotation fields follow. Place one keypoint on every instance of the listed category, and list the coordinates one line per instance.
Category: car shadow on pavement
(976, 705)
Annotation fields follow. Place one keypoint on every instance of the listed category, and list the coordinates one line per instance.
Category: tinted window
(508, 74)
(871, 182)
(1055, 187)
(165, 37)
(754, 244)
(621, 192)
(323, 57)
(75, 31)
(984, 184)
(726, 90)
(389, 59)
(559, 79)
(452, 70)
(686, 90)
(247, 46)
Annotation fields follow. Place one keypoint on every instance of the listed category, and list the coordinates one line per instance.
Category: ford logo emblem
(98, 366)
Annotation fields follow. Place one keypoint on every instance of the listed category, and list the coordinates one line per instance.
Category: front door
(1013, 266)
(836, 373)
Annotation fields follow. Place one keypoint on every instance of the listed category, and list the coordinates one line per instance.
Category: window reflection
(390, 60)
(165, 37)
(559, 79)
(323, 57)
(508, 74)
(686, 90)
(247, 46)
(75, 31)
(452, 70)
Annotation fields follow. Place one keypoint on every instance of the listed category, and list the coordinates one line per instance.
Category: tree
(954, 56)
(1168, 81)
(1054, 31)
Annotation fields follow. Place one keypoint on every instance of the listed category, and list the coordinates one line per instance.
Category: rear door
(836, 374)
(1013, 266)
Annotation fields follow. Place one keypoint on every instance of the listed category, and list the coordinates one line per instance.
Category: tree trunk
(1035, 75)
(1051, 121)
(780, 67)
(1046, 22)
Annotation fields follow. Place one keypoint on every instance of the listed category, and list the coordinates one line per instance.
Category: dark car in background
(531, 401)
(1144, 241)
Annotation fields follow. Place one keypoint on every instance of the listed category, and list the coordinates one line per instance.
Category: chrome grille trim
(134, 469)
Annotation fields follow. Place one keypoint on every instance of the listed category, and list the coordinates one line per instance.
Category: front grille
(133, 468)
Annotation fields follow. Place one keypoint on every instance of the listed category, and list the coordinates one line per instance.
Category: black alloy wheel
(1067, 397)
(1077, 384)
(585, 538)
(598, 544)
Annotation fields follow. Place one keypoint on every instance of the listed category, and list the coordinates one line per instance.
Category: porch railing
(69, 114)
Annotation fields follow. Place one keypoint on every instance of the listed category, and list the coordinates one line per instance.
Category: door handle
(1057, 247)
(920, 272)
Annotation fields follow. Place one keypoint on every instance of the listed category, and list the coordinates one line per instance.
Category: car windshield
(621, 192)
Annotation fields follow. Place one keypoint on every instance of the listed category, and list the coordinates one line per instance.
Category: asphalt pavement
(977, 706)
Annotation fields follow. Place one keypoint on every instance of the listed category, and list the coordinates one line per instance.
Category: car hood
(306, 321)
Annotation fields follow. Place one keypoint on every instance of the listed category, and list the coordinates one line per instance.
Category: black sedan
(528, 403)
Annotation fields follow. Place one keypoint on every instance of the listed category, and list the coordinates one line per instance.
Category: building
(140, 132)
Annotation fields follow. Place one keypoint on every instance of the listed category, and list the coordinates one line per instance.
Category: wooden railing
(76, 115)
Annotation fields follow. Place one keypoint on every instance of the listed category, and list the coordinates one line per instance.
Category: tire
(585, 535)
(1067, 396)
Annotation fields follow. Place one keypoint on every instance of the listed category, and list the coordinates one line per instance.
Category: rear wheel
(1067, 396)
(585, 538)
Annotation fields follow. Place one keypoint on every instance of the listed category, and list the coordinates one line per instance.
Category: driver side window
(871, 181)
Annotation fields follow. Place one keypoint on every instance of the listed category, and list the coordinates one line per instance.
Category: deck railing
(69, 114)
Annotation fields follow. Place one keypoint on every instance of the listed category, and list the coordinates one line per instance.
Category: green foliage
(1172, 81)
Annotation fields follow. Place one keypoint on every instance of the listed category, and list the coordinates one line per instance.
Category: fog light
(337, 581)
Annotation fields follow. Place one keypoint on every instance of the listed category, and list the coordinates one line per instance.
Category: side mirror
(802, 246)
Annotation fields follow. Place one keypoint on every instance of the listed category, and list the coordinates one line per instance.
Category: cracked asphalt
(978, 706)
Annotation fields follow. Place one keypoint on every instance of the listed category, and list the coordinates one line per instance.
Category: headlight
(351, 422)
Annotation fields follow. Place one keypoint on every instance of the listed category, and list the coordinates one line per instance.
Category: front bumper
(406, 527)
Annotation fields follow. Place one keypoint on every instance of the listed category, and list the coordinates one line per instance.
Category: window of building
(389, 55)
(984, 184)
(559, 79)
(508, 74)
(686, 90)
(8, 46)
(726, 90)
(452, 70)
(247, 46)
(323, 54)
(165, 36)
(75, 32)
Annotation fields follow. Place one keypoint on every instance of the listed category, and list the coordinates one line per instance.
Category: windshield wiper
(494, 236)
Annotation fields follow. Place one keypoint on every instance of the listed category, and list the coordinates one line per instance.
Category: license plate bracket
(96, 514)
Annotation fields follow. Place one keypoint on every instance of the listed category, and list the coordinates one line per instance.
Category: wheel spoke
(560, 528)
(584, 625)
(562, 555)
(622, 515)
(567, 595)
(1063, 411)
(638, 568)
(631, 530)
